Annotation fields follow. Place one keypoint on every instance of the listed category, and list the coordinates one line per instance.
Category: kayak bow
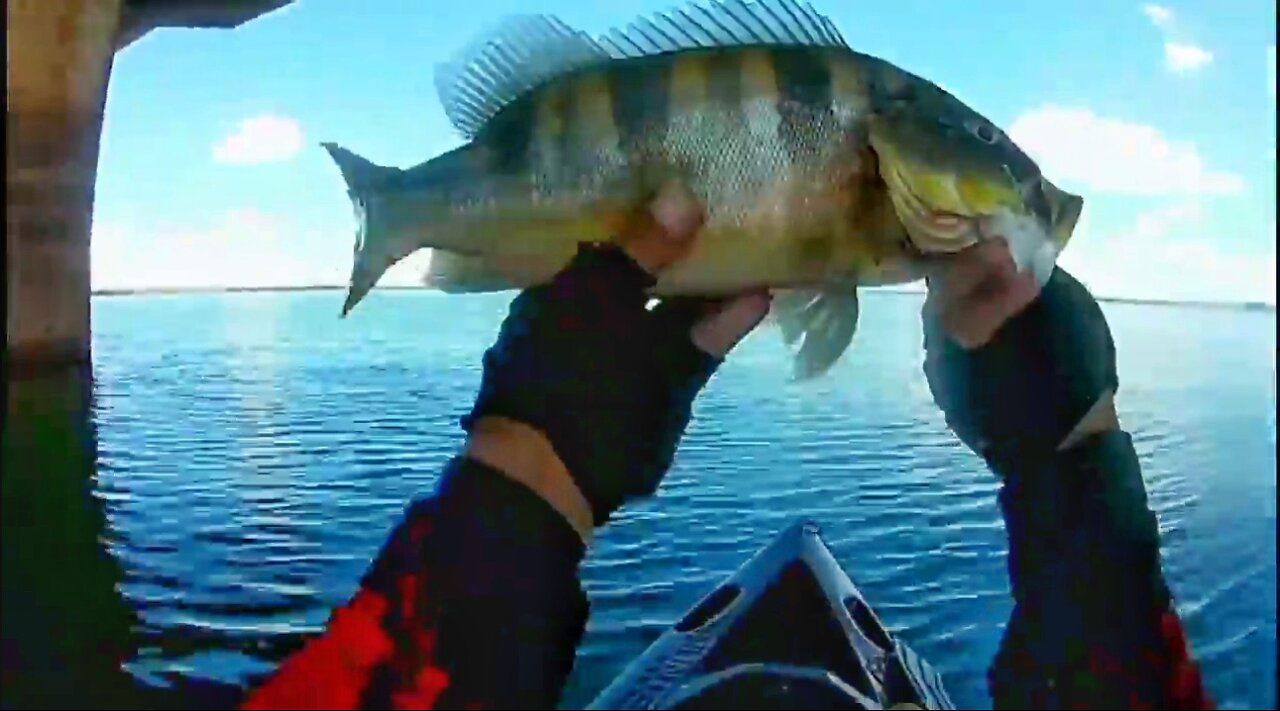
(788, 630)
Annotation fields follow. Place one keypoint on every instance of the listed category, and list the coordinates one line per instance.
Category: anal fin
(822, 322)
(455, 273)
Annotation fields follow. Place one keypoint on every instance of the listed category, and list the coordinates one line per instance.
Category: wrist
(1100, 418)
(479, 533)
(524, 455)
(1042, 384)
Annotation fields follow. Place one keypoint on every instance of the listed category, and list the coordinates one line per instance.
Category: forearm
(474, 601)
(1093, 624)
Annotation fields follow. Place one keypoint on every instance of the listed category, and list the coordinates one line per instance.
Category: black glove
(607, 381)
(1014, 399)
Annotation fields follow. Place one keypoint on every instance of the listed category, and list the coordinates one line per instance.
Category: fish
(821, 170)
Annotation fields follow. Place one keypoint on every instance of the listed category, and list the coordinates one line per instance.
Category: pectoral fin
(825, 320)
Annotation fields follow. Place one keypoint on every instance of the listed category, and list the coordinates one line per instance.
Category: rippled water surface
(254, 450)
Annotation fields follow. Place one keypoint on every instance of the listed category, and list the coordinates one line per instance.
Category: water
(253, 451)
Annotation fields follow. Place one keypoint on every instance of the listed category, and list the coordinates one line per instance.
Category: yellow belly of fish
(727, 258)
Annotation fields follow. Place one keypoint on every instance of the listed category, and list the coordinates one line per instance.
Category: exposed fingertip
(761, 299)
(718, 333)
(748, 309)
(995, 250)
(1006, 268)
(677, 211)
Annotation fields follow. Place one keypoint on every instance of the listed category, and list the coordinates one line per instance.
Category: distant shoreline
(1234, 305)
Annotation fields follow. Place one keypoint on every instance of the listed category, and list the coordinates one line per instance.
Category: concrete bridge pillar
(60, 54)
(65, 628)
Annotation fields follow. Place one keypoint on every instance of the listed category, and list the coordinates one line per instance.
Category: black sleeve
(482, 579)
(1093, 624)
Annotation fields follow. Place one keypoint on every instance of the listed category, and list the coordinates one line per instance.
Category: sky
(1163, 116)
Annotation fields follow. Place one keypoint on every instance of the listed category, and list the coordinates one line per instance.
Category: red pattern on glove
(1180, 684)
(373, 646)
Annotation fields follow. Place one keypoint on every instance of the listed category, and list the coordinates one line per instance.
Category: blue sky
(1162, 115)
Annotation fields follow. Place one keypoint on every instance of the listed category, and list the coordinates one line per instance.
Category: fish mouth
(931, 230)
(1036, 230)
(944, 212)
(1065, 209)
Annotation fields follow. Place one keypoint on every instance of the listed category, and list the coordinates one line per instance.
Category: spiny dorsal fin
(524, 51)
(520, 53)
(724, 23)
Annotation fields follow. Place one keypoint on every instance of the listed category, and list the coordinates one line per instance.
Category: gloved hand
(607, 382)
(1019, 372)
(1026, 378)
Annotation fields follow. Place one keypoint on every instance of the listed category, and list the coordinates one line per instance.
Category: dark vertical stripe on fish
(804, 95)
(551, 146)
(804, 76)
(508, 135)
(566, 151)
(640, 92)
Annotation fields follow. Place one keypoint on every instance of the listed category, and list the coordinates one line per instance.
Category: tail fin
(372, 257)
(360, 174)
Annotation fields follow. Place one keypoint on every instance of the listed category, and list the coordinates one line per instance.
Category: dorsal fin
(524, 51)
(517, 55)
(724, 23)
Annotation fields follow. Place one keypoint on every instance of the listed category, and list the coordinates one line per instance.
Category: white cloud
(1076, 147)
(243, 248)
(1160, 15)
(1164, 255)
(1159, 222)
(1180, 54)
(260, 139)
(1179, 57)
(407, 271)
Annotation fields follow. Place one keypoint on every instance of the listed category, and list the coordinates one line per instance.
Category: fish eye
(984, 131)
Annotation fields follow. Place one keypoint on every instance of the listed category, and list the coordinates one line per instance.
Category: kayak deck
(787, 630)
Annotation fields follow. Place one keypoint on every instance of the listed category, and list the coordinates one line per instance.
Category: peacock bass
(820, 169)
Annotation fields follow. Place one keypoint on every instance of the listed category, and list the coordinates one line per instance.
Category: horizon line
(163, 290)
